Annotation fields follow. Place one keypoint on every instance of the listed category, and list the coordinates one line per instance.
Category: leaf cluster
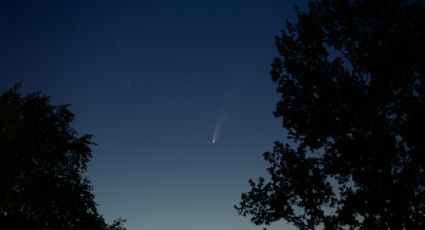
(351, 75)
(42, 160)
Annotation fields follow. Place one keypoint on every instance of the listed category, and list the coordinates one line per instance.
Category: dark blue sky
(151, 80)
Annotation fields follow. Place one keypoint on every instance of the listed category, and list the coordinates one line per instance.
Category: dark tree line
(42, 159)
(351, 75)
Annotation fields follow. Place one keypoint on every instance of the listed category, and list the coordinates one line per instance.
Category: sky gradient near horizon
(155, 82)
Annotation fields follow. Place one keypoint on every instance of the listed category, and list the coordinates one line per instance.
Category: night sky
(154, 82)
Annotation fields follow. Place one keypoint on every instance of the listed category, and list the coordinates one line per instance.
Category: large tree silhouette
(42, 159)
(352, 84)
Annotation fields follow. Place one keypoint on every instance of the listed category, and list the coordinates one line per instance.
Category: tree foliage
(351, 74)
(42, 159)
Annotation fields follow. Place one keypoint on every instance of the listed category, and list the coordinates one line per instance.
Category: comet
(217, 128)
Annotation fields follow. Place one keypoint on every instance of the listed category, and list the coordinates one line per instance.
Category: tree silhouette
(351, 78)
(42, 159)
